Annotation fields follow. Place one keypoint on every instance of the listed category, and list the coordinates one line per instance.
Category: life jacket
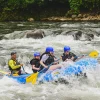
(69, 56)
(14, 71)
(35, 62)
(49, 60)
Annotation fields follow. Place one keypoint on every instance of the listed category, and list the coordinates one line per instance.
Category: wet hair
(12, 53)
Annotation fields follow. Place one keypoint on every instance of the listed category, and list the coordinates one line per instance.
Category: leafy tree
(75, 6)
(91, 4)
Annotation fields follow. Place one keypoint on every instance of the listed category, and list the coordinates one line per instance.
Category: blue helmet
(36, 54)
(49, 49)
(66, 48)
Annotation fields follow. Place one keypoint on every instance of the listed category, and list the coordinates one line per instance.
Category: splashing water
(78, 89)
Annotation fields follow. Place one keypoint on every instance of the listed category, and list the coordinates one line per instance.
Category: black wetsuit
(35, 62)
(69, 56)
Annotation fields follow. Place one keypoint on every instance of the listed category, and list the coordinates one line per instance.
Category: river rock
(35, 34)
(89, 37)
(85, 15)
(79, 16)
(30, 19)
(74, 16)
(77, 35)
(97, 30)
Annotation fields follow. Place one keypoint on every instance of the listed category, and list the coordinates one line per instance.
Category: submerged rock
(77, 35)
(89, 37)
(35, 34)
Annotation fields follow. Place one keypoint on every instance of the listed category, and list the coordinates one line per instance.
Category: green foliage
(91, 4)
(10, 9)
(18, 4)
(74, 6)
(29, 1)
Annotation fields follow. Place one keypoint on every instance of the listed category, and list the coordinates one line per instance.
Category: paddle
(33, 77)
(45, 69)
(23, 68)
(3, 72)
(7, 73)
(94, 54)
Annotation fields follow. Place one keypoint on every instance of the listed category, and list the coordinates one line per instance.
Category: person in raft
(67, 55)
(67, 58)
(35, 62)
(48, 58)
(14, 65)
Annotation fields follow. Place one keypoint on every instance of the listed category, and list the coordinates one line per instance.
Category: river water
(57, 34)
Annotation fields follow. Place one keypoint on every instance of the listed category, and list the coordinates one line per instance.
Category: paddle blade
(3, 72)
(31, 77)
(94, 54)
(35, 78)
(15, 75)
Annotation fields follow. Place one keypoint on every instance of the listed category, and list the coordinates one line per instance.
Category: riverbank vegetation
(23, 10)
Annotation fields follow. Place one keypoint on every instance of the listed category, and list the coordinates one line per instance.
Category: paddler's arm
(74, 57)
(43, 59)
(11, 64)
(33, 67)
(41, 62)
(56, 60)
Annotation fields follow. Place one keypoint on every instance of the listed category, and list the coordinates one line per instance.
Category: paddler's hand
(46, 66)
(38, 68)
(21, 64)
(68, 60)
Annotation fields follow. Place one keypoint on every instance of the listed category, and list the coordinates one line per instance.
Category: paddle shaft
(3, 72)
(23, 68)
